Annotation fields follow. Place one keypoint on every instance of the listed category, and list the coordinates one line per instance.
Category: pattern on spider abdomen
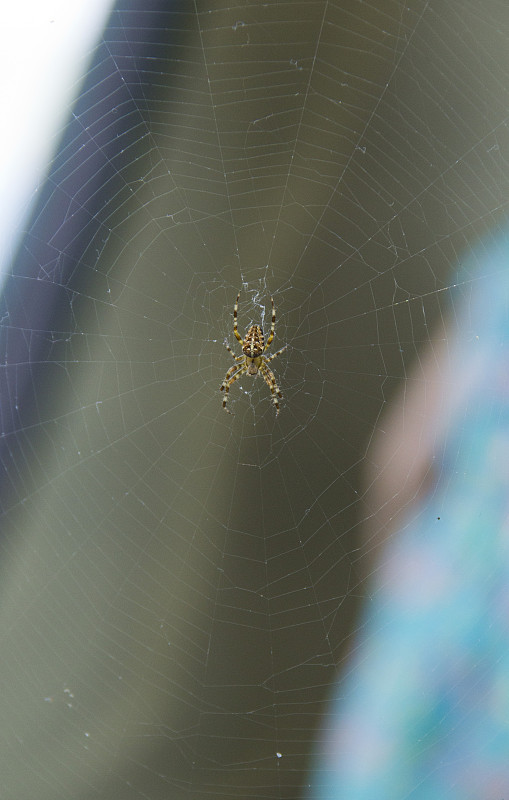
(254, 343)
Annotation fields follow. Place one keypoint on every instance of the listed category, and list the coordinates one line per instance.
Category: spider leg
(270, 380)
(235, 331)
(272, 325)
(237, 358)
(269, 358)
(228, 375)
(225, 386)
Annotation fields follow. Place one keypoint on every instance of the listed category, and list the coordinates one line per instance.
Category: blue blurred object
(422, 712)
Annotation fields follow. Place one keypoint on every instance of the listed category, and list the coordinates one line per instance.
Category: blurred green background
(179, 586)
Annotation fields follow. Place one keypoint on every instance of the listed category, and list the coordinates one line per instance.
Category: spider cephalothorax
(252, 361)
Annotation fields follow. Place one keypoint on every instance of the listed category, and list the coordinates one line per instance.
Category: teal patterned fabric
(422, 710)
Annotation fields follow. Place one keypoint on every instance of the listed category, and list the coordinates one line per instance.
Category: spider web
(180, 586)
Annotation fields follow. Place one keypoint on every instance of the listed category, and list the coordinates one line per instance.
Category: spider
(252, 359)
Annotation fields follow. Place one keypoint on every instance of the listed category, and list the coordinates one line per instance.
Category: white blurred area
(45, 50)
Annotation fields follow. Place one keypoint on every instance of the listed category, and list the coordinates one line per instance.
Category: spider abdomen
(254, 343)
